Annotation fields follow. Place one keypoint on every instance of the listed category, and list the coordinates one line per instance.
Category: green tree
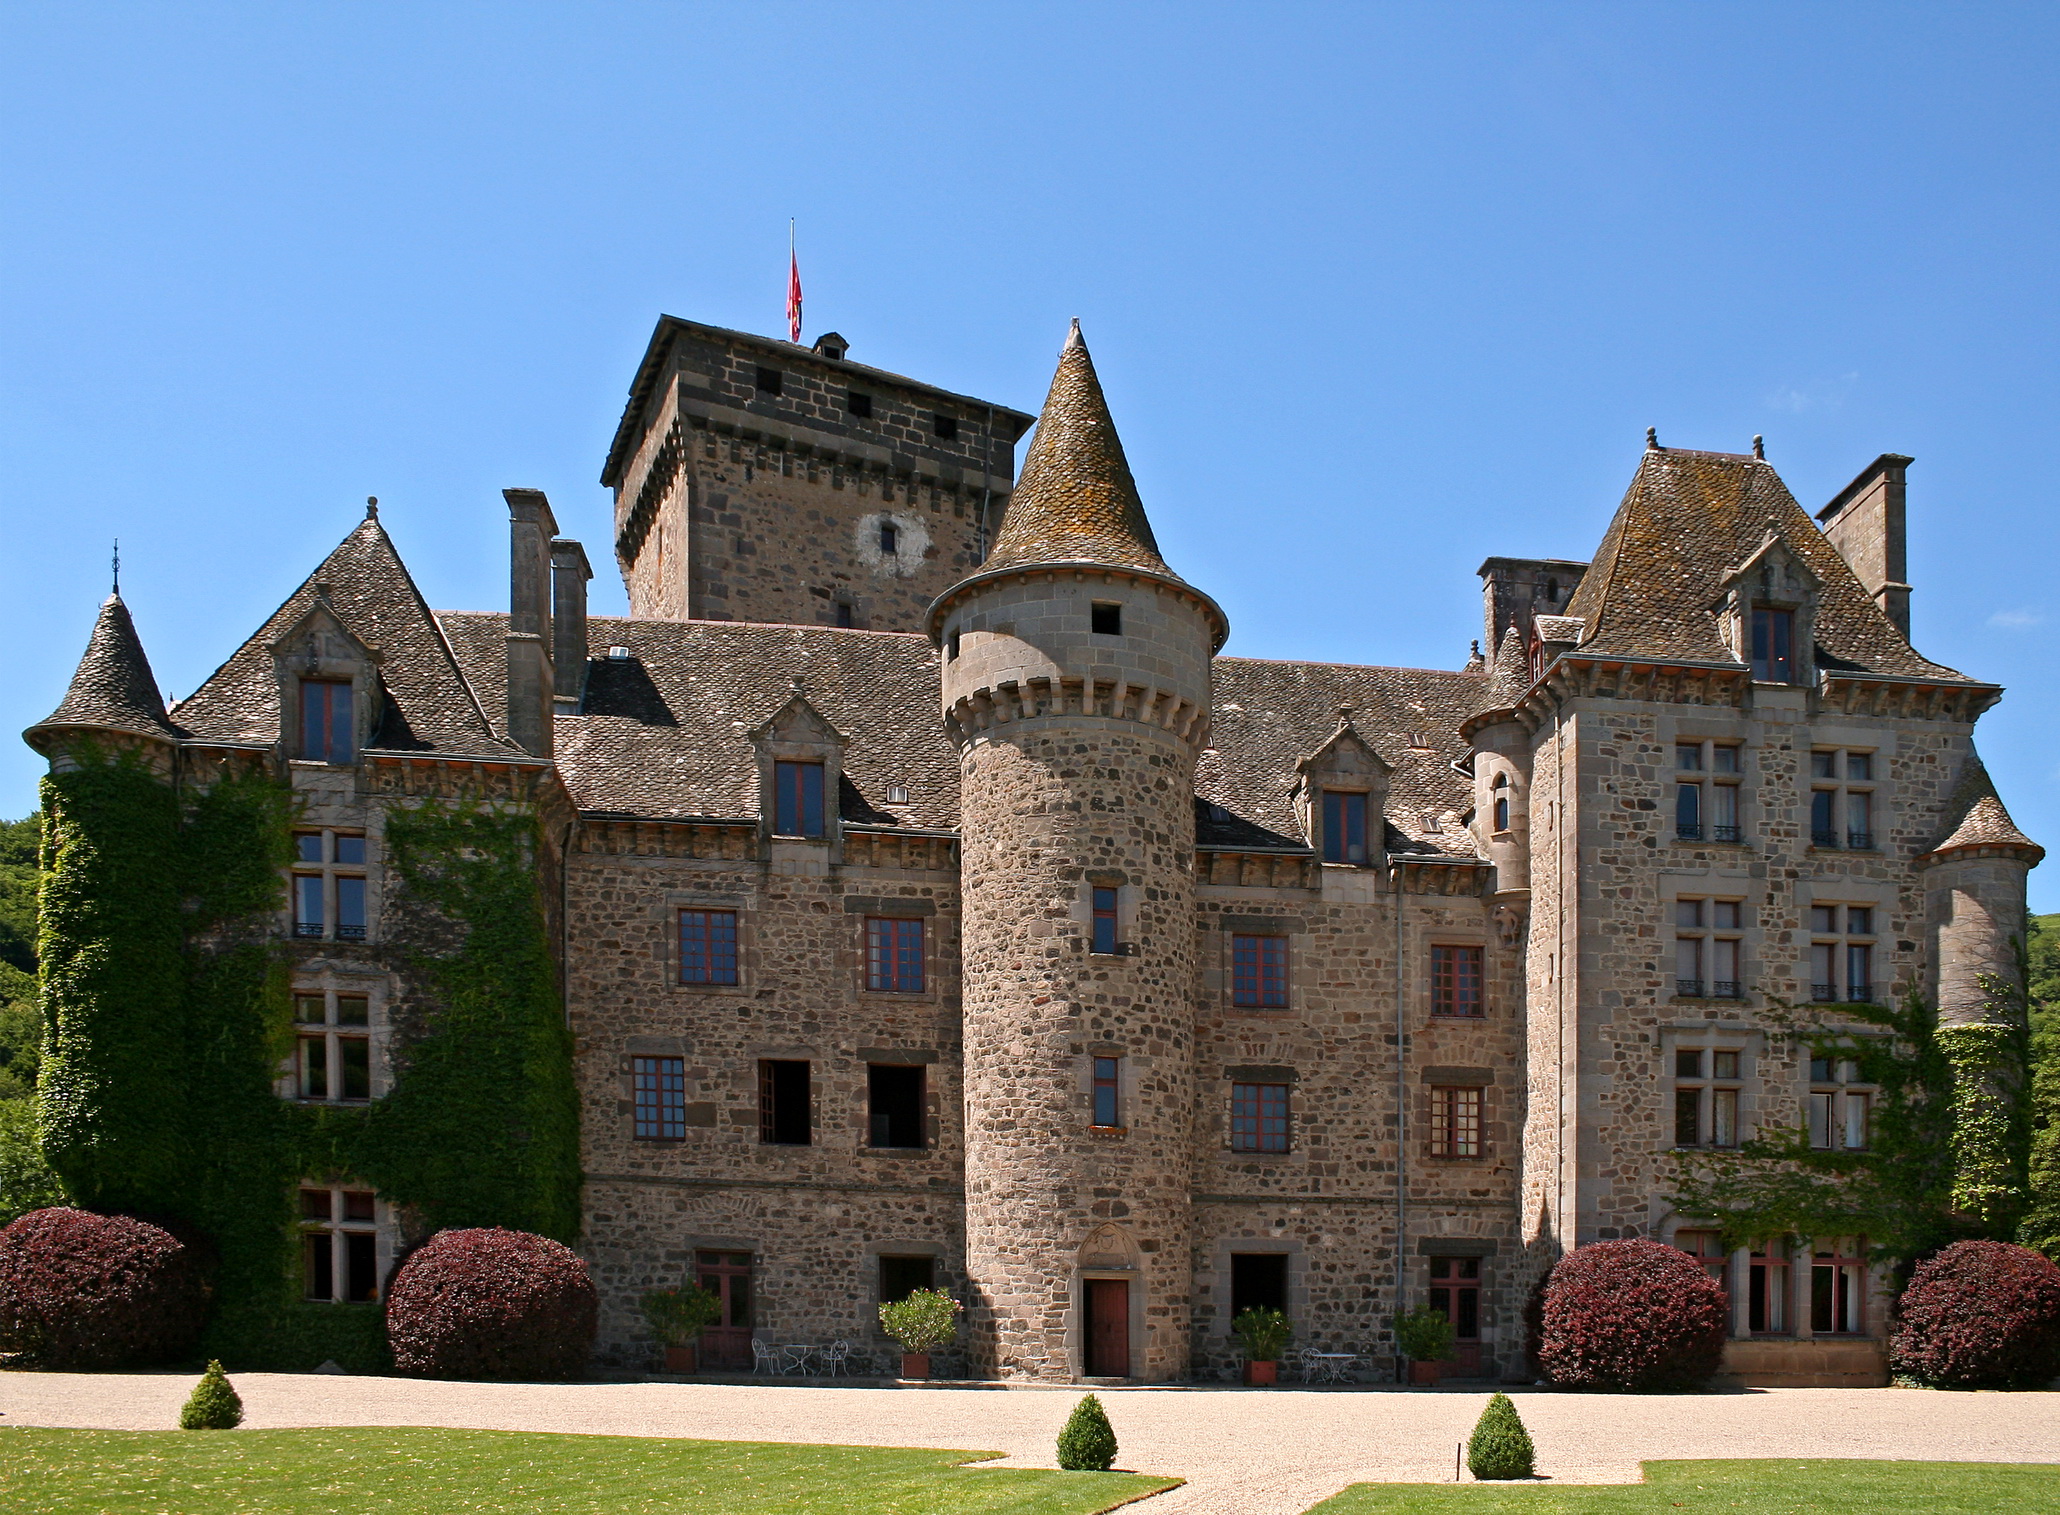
(214, 1404)
(1087, 1444)
(2041, 1226)
(26, 1182)
(1500, 1447)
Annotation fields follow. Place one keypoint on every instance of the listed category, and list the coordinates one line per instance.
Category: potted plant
(677, 1317)
(1264, 1334)
(927, 1319)
(1425, 1338)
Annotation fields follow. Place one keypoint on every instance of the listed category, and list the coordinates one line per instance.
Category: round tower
(1076, 680)
(1974, 889)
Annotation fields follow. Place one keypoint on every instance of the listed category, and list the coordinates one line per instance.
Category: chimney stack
(530, 681)
(569, 575)
(1866, 524)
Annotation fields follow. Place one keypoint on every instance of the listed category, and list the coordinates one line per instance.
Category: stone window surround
(1758, 1103)
(1126, 1084)
(1876, 746)
(699, 1115)
(1216, 1284)
(329, 979)
(943, 1276)
(1227, 927)
(1418, 1265)
(865, 1058)
(1773, 577)
(1082, 912)
(666, 911)
(1729, 891)
(383, 1227)
(321, 647)
(1491, 1136)
(1418, 939)
(1892, 968)
(860, 909)
(1713, 883)
(323, 818)
(1270, 1073)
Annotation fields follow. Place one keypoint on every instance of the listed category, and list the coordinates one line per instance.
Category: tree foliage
(214, 1404)
(1500, 1447)
(2040, 1228)
(1087, 1442)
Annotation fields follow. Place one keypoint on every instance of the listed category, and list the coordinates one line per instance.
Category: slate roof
(1689, 518)
(1978, 816)
(428, 706)
(1075, 501)
(113, 688)
(1270, 715)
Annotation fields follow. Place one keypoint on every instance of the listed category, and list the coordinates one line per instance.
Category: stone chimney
(569, 575)
(1866, 524)
(530, 682)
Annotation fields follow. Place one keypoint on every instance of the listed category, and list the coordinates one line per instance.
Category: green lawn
(398, 1471)
(1771, 1487)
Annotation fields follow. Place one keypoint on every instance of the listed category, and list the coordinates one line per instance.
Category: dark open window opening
(1258, 1281)
(945, 426)
(768, 381)
(1104, 921)
(894, 1099)
(1344, 827)
(858, 404)
(1105, 619)
(902, 1276)
(844, 614)
(326, 734)
(783, 1103)
(1773, 645)
(890, 538)
(798, 799)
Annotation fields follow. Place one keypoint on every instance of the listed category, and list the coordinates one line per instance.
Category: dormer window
(798, 799)
(1344, 827)
(1773, 645)
(326, 724)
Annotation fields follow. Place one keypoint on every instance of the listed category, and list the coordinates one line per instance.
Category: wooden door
(726, 1345)
(1456, 1295)
(1108, 1328)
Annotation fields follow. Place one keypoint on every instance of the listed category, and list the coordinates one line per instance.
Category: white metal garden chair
(834, 1358)
(763, 1358)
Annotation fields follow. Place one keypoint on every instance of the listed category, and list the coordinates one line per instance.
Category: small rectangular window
(1859, 766)
(309, 917)
(1688, 1062)
(858, 404)
(798, 799)
(658, 1086)
(1105, 619)
(307, 847)
(902, 1276)
(1456, 1122)
(1258, 1281)
(326, 726)
(1108, 1110)
(1259, 972)
(1344, 827)
(769, 381)
(1688, 812)
(1773, 638)
(314, 1067)
(708, 946)
(350, 908)
(844, 613)
(894, 955)
(1724, 760)
(354, 1060)
(1258, 1117)
(1105, 921)
(1456, 981)
(945, 426)
(1687, 1117)
(352, 1010)
(890, 538)
(783, 1103)
(1688, 757)
(894, 1105)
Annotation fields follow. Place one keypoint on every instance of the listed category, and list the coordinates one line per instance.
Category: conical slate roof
(1981, 819)
(1076, 501)
(113, 689)
(1512, 671)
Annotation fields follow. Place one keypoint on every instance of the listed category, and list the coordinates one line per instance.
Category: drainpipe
(1401, 1121)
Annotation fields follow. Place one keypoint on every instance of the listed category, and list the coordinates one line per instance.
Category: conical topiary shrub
(213, 1405)
(1500, 1446)
(1088, 1443)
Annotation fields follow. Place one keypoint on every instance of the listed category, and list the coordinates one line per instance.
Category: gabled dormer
(329, 691)
(1340, 794)
(800, 771)
(1767, 613)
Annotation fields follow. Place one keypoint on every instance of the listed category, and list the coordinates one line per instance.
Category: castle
(931, 904)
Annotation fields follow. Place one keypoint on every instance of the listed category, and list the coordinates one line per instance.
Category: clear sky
(1376, 291)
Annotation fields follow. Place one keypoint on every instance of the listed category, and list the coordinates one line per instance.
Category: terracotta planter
(685, 1359)
(915, 1365)
(1262, 1375)
(1425, 1374)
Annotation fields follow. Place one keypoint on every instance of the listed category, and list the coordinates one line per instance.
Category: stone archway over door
(1108, 1303)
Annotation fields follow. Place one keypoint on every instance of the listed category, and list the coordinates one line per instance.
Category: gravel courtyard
(1243, 1452)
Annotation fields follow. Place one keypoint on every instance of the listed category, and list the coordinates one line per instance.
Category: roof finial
(1759, 448)
(1652, 439)
(117, 565)
(1073, 337)
(371, 507)
(1344, 715)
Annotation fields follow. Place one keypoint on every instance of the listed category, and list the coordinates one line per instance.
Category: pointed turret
(1980, 820)
(1512, 673)
(1076, 501)
(113, 689)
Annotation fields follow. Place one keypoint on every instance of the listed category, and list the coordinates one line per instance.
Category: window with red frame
(1455, 981)
(708, 946)
(1259, 972)
(1258, 1117)
(659, 1089)
(894, 956)
(798, 799)
(1456, 1121)
(1105, 922)
(326, 734)
(1707, 1248)
(1838, 1287)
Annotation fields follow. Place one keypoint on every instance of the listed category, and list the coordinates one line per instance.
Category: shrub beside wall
(487, 1303)
(1634, 1315)
(81, 1291)
(1980, 1315)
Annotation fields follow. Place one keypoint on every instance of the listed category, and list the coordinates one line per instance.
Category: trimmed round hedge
(80, 1291)
(1632, 1315)
(488, 1303)
(1980, 1315)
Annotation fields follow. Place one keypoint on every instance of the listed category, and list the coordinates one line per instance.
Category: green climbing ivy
(2040, 1227)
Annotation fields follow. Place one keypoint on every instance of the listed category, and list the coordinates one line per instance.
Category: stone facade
(1108, 983)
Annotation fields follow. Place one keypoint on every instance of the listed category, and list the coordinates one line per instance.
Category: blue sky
(1376, 291)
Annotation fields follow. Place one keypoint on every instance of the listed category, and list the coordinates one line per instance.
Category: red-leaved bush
(83, 1291)
(1632, 1315)
(1980, 1315)
(489, 1303)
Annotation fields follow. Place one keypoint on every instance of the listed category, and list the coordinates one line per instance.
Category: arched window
(1501, 802)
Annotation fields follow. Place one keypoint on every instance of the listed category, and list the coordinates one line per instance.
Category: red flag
(793, 298)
